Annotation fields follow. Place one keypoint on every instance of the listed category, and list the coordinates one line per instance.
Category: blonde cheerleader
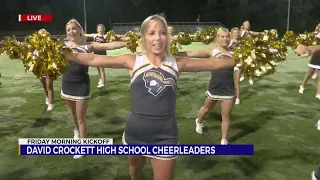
(76, 80)
(314, 64)
(171, 33)
(153, 100)
(246, 30)
(221, 87)
(317, 32)
(47, 83)
(235, 36)
(100, 37)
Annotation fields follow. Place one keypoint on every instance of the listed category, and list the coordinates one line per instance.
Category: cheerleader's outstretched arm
(89, 35)
(208, 64)
(87, 59)
(306, 50)
(256, 33)
(106, 46)
(313, 49)
(196, 54)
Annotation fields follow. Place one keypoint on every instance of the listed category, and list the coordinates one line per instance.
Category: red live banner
(35, 17)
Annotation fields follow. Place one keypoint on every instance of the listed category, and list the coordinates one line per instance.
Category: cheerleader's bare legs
(102, 75)
(237, 85)
(314, 76)
(318, 85)
(78, 109)
(226, 108)
(306, 79)
(162, 169)
(47, 84)
(250, 80)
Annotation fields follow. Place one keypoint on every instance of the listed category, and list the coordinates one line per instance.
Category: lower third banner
(184, 150)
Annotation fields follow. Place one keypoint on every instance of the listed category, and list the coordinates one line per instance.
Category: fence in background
(122, 28)
(187, 27)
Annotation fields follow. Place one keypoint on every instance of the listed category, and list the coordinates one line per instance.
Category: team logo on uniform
(155, 82)
(100, 39)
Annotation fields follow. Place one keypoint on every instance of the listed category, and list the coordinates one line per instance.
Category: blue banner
(124, 150)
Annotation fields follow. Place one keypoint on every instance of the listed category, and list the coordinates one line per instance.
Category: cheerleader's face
(170, 31)
(100, 30)
(246, 26)
(156, 38)
(224, 39)
(236, 34)
(73, 32)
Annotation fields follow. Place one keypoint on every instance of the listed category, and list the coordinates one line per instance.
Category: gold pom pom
(12, 48)
(205, 36)
(289, 38)
(197, 37)
(208, 35)
(307, 39)
(44, 56)
(174, 47)
(133, 42)
(259, 56)
(184, 39)
(110, 36)
(269, 35)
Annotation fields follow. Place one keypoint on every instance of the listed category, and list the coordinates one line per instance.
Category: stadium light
(288, 18)
(85, 16)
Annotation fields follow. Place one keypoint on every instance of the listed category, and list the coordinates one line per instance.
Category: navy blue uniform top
(100, 39)
(221, 76)
(153, 89)
(77, 71)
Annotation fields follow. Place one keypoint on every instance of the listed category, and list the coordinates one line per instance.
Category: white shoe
(224, 142)
(313, 177)
(50, 107)
(301, 90)
(47, 101)
(76, 134)
(241, 78)
(199, 127)
(100, 86)
(78, 156)
(318, 125)
(250, 81)
(314, 76)
(237, 101)
(100, 82)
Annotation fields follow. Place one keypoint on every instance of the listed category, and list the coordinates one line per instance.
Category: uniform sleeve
(215, 52)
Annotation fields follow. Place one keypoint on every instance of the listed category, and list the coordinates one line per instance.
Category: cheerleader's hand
(302, 50)
(304, 55)
(125, 39)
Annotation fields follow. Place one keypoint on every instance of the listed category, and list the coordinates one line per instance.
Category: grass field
(272, 115)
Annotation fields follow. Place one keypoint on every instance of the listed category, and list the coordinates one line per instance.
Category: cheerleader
(317, 33)
(246, 30)
(47, 83)
(76, 81)
(221, 86)
(313, 67)
(154, 78)
(100, 37)
(235, 36)
(171, 33)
